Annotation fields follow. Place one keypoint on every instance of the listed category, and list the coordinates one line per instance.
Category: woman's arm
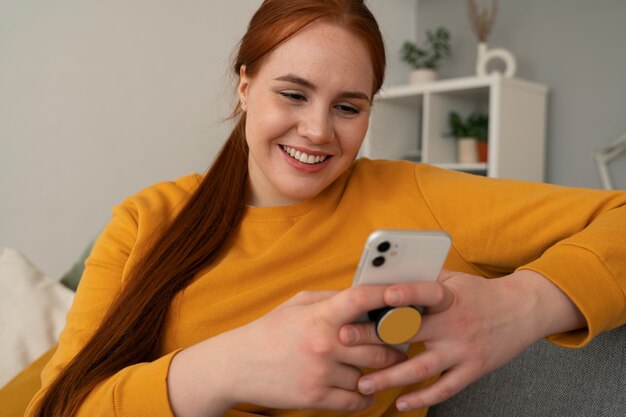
(134, 389)
(473, 325)
(574, 237)
(561, 253)
(290, 358)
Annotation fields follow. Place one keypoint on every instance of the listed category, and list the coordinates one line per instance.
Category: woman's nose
(316, 125)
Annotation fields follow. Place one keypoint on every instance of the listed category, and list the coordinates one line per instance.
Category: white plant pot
(467, 150)
(422, 76)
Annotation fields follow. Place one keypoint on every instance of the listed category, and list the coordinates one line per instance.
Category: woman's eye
(344, 108)
(293, 96)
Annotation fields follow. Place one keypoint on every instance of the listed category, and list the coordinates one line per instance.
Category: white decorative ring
(485, 55)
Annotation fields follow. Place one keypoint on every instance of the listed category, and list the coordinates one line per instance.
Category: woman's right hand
(289, 358)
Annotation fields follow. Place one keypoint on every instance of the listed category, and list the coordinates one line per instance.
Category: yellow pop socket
(398, 325)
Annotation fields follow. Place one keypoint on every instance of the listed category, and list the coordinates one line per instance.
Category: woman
(226, 294)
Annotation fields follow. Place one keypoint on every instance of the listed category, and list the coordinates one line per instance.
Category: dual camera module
(382, 248)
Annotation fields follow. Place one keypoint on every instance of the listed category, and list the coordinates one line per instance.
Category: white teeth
(303, 157)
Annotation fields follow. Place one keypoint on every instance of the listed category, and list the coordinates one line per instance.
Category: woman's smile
(309, 158)
(306, 161)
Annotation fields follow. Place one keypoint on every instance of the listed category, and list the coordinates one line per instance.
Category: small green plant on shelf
(476, 125)
(437, 48)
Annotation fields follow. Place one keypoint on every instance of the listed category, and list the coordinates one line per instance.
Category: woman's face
(307, 111)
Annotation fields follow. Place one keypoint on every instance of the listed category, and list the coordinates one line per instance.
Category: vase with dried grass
(482, 21)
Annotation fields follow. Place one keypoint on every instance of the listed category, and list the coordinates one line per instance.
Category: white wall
(577, 49)
(99, 99)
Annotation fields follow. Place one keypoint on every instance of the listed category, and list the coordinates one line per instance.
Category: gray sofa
(548, 380)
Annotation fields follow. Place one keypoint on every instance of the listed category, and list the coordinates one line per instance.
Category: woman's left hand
(472, 326)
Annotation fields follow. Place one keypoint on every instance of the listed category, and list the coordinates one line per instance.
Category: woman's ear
(242, 89)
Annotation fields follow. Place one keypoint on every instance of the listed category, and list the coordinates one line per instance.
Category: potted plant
(425, 61)
(472, 134)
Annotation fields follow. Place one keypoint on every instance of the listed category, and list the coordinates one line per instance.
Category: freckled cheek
(352, 136)
(271, 123)
(268, 125)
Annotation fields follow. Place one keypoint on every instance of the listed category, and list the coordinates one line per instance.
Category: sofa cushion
(548, 380)
(32, 312)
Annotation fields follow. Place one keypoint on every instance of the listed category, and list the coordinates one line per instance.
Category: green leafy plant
(437, 48)
(476, 125)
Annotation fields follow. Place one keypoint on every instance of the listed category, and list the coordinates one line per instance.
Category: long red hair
(195, 237)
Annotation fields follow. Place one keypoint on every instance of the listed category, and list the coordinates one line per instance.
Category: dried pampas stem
(482, 20)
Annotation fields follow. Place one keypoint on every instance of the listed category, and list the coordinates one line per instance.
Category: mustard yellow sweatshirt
(574, 237)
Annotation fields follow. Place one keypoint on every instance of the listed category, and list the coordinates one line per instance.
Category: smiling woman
(230, 293)
(309, 97)
(212, 211)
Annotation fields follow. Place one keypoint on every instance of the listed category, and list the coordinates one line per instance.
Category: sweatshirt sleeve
(140, 389)
(575, 237)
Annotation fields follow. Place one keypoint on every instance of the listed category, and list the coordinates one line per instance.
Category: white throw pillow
(32, 312)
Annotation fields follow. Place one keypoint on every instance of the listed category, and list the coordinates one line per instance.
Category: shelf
(457, 85)
(475, 167)
(411, 122)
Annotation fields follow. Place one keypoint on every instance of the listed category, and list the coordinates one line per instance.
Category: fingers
(371, 356)
(345, 400)
(435, 296)
(420, 368)
(338, 390)
(334, 389)
(346, 306)
(359, 334)
(449, 384)
(341, 376)
(355, 334)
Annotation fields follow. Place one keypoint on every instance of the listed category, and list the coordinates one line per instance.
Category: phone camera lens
(378, 261)
(384, 246)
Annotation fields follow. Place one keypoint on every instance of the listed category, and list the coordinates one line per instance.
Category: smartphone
(396, 256)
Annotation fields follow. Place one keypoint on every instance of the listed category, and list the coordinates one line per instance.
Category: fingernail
(366, 387)
(393, 296)
(350, 335)
(402, 406)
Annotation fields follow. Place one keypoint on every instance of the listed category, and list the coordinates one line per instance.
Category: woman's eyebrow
(307, 84)
(297, 80)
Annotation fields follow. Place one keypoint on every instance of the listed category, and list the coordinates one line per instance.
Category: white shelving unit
(411, 122)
